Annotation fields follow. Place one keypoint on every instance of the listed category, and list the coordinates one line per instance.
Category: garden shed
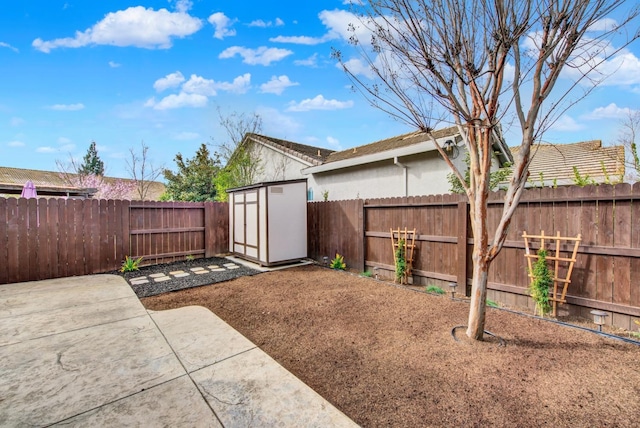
(268, 222)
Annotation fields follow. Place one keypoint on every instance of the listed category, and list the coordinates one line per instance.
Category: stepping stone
(233, 267)
(213, 267)
(196, 269)
(138, 278)
(162, 279)
(218, 270)
(201, 272)
(180, 275)
(175, 272)
(228, 265)
(157, 275)
(139, 281)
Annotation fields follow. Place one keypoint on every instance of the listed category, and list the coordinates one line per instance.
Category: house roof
(556, 161)
(310, 154)
(53, 183)
(388, 144)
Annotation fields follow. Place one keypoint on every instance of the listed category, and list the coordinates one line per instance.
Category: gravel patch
(164, 278)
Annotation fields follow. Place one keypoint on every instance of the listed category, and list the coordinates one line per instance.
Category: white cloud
(566, 123)
(49, 149)
(67, 107)
(135, 26)
(299, 40)
(277, 123)
(612, 111)
(178, 101)
(605, 24)
(264, 24)
(169, 81)
(277, 85)
(240, 84)
(186, 136)
(114, 64)
(183, 6)
(16, 144)
(17, 121)
(63, 140)
(260, 56)
(319, 103)
(199, 85)
(209, 87)
(358, 67)
(222, 25)
(312, 61)
(334, 143)
(8, 46)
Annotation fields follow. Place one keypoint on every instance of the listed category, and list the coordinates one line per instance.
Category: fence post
(362, 235)
(209, 224)
(461, 248)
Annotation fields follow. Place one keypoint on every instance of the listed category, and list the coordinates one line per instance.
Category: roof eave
(421, 147)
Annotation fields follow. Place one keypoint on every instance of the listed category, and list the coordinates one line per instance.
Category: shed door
(245, 225)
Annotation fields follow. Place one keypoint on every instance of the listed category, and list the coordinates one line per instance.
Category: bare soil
(385, 355)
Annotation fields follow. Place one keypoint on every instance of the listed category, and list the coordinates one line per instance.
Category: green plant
(434, 289)
(495, 177)
(580, 180)
(130, 264)
(492, 304)
(338, 262)
(325, 195)
(190, 257)
(401, 262)
(542, 281)
(366, 273)
(636, 334)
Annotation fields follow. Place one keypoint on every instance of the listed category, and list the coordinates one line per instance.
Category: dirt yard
(385, 355)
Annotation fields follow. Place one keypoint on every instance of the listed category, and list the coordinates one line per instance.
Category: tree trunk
(475, 329)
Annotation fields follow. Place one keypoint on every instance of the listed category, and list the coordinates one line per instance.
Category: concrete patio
(83, 351)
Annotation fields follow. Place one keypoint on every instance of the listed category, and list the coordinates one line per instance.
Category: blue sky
(123, 72)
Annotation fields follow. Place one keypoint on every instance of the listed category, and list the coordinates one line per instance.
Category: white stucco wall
(426, 175)
(278, 166)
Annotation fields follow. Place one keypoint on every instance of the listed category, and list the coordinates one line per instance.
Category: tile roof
(54, 181)
(311, 154)
(556, 161)
(390, 144)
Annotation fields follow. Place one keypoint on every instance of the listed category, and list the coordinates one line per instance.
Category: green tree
(195, 179)
(91, 163)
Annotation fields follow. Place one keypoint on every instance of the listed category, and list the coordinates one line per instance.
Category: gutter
(396, 162)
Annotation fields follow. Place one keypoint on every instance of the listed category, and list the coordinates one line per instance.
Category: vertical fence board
(44, 242)
(4, 243)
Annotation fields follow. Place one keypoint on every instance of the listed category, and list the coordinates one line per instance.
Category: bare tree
(243, 164)
(476, 64)
(142, 170)
(630, 125)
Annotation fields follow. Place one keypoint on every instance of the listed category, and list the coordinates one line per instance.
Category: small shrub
(130, 264)
(434, 289)
(367, 274)
(492, 304)
(636, 334)
(190, 258)
(338, 262)
(542, 281)
(401, 262)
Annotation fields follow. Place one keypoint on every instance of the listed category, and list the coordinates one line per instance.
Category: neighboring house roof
(51, 183)
(401, 145)
(556, 161)
(310, 154)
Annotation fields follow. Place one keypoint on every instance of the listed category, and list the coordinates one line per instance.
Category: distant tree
(91, 163)
(628, 137)
(195, 179)
(242, 159)
(142, 171)
(107, 188)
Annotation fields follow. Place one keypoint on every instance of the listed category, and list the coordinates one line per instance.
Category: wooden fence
(606, 275)
(53, 238)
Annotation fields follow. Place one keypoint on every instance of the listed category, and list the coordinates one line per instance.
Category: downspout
(405, 176)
